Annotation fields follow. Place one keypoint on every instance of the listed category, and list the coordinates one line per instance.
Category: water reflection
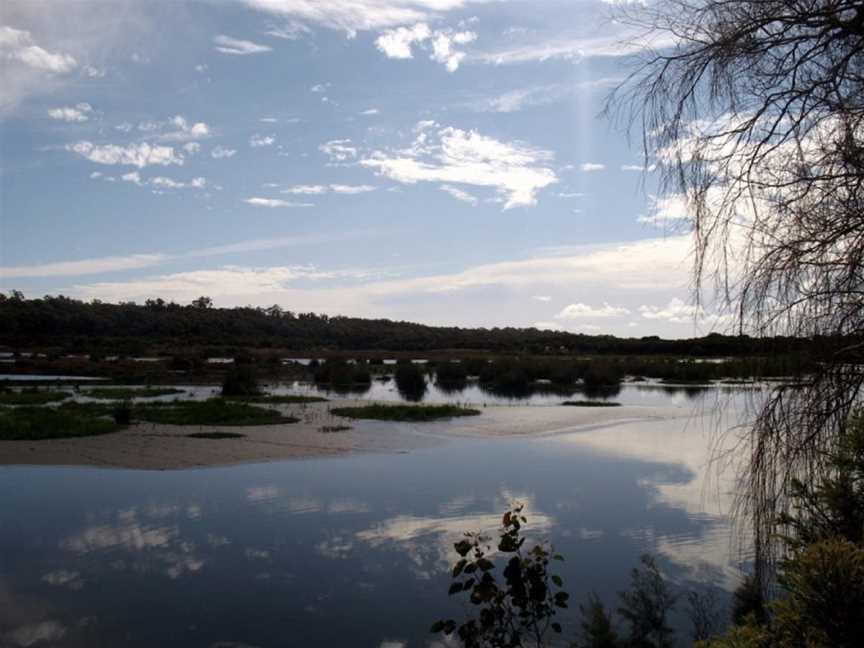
(343, 551)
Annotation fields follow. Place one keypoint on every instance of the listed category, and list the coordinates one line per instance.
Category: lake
(354, 550)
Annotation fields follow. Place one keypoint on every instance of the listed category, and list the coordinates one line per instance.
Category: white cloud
(180, 130)
(228, 45)
(623, 42)
(396, 43)
(548, 326)
(571, 194)
(671, 210)
(17, 45)
(590, 167)
(339, 150)
(370, 111)
(258, 141)
(460, 194)
(351, 189)
(399, 43)
(580, 311)
(676, 311)
(79, 113)
(455, 156)
(160, 183)
(632, 167)
(352, 16)
(311, 190)
(292, 30)
(221, 152)
(84, 267)
(191, 147)
(307, 190)
(274, 203)
(542, 298)
(140, 155)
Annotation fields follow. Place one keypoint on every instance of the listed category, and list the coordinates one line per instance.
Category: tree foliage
(754, 117)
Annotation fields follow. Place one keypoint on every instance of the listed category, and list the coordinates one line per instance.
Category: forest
(159, 326)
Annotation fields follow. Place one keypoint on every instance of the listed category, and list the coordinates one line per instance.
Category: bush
(240, 381)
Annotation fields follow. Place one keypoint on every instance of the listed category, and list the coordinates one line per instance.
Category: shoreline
(149, 446)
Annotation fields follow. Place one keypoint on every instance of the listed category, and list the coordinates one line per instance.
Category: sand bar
(149, 446)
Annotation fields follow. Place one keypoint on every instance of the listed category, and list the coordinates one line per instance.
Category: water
(349, 551)
(474, 393)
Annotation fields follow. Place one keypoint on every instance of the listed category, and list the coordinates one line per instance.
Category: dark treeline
(92, 326)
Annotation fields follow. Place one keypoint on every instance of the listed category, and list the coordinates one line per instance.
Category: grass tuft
(404, 412)
(125, 393)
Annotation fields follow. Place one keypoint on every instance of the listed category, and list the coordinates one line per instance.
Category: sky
(438, 161)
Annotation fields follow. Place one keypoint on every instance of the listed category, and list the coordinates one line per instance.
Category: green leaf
(458, 567)
(437, 627)
(556, 627)
(455, 588)
(557, 580)
(462, 547)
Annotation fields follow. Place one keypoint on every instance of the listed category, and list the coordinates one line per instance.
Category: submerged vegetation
(37, 423)
(408, 413)
(123, 393)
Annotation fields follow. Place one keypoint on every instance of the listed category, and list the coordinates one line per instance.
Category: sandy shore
(150, 446)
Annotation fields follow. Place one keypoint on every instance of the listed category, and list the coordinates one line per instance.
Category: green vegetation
(516, 609)
(130, 329)
(37, 423)
(214, 411)
(338, 373)
(326, 429)
(404, 412)
(240, 381)
(410, 381)
(280, 399)
(124, 393)
(215, 435)
(31, 397)
(590, 403)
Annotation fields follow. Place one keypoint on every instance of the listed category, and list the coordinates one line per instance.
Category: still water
(351, 551)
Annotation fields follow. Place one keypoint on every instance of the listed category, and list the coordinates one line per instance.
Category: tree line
(91, 326)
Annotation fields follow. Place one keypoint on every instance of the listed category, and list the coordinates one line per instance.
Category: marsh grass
(124, 393)
(404, 412)
(216, 435)
(32, 397)
(590, 403)
(38, 423)
(284, 399)
(214, 411)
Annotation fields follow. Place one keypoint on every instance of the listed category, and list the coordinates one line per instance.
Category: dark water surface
(352, 551)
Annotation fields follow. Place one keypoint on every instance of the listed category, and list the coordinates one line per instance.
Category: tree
(202, 303)
(754, 117)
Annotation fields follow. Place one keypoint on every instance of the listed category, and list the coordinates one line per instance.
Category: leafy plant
(516, 609)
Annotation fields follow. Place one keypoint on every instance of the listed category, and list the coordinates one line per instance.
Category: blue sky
(441, 161)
